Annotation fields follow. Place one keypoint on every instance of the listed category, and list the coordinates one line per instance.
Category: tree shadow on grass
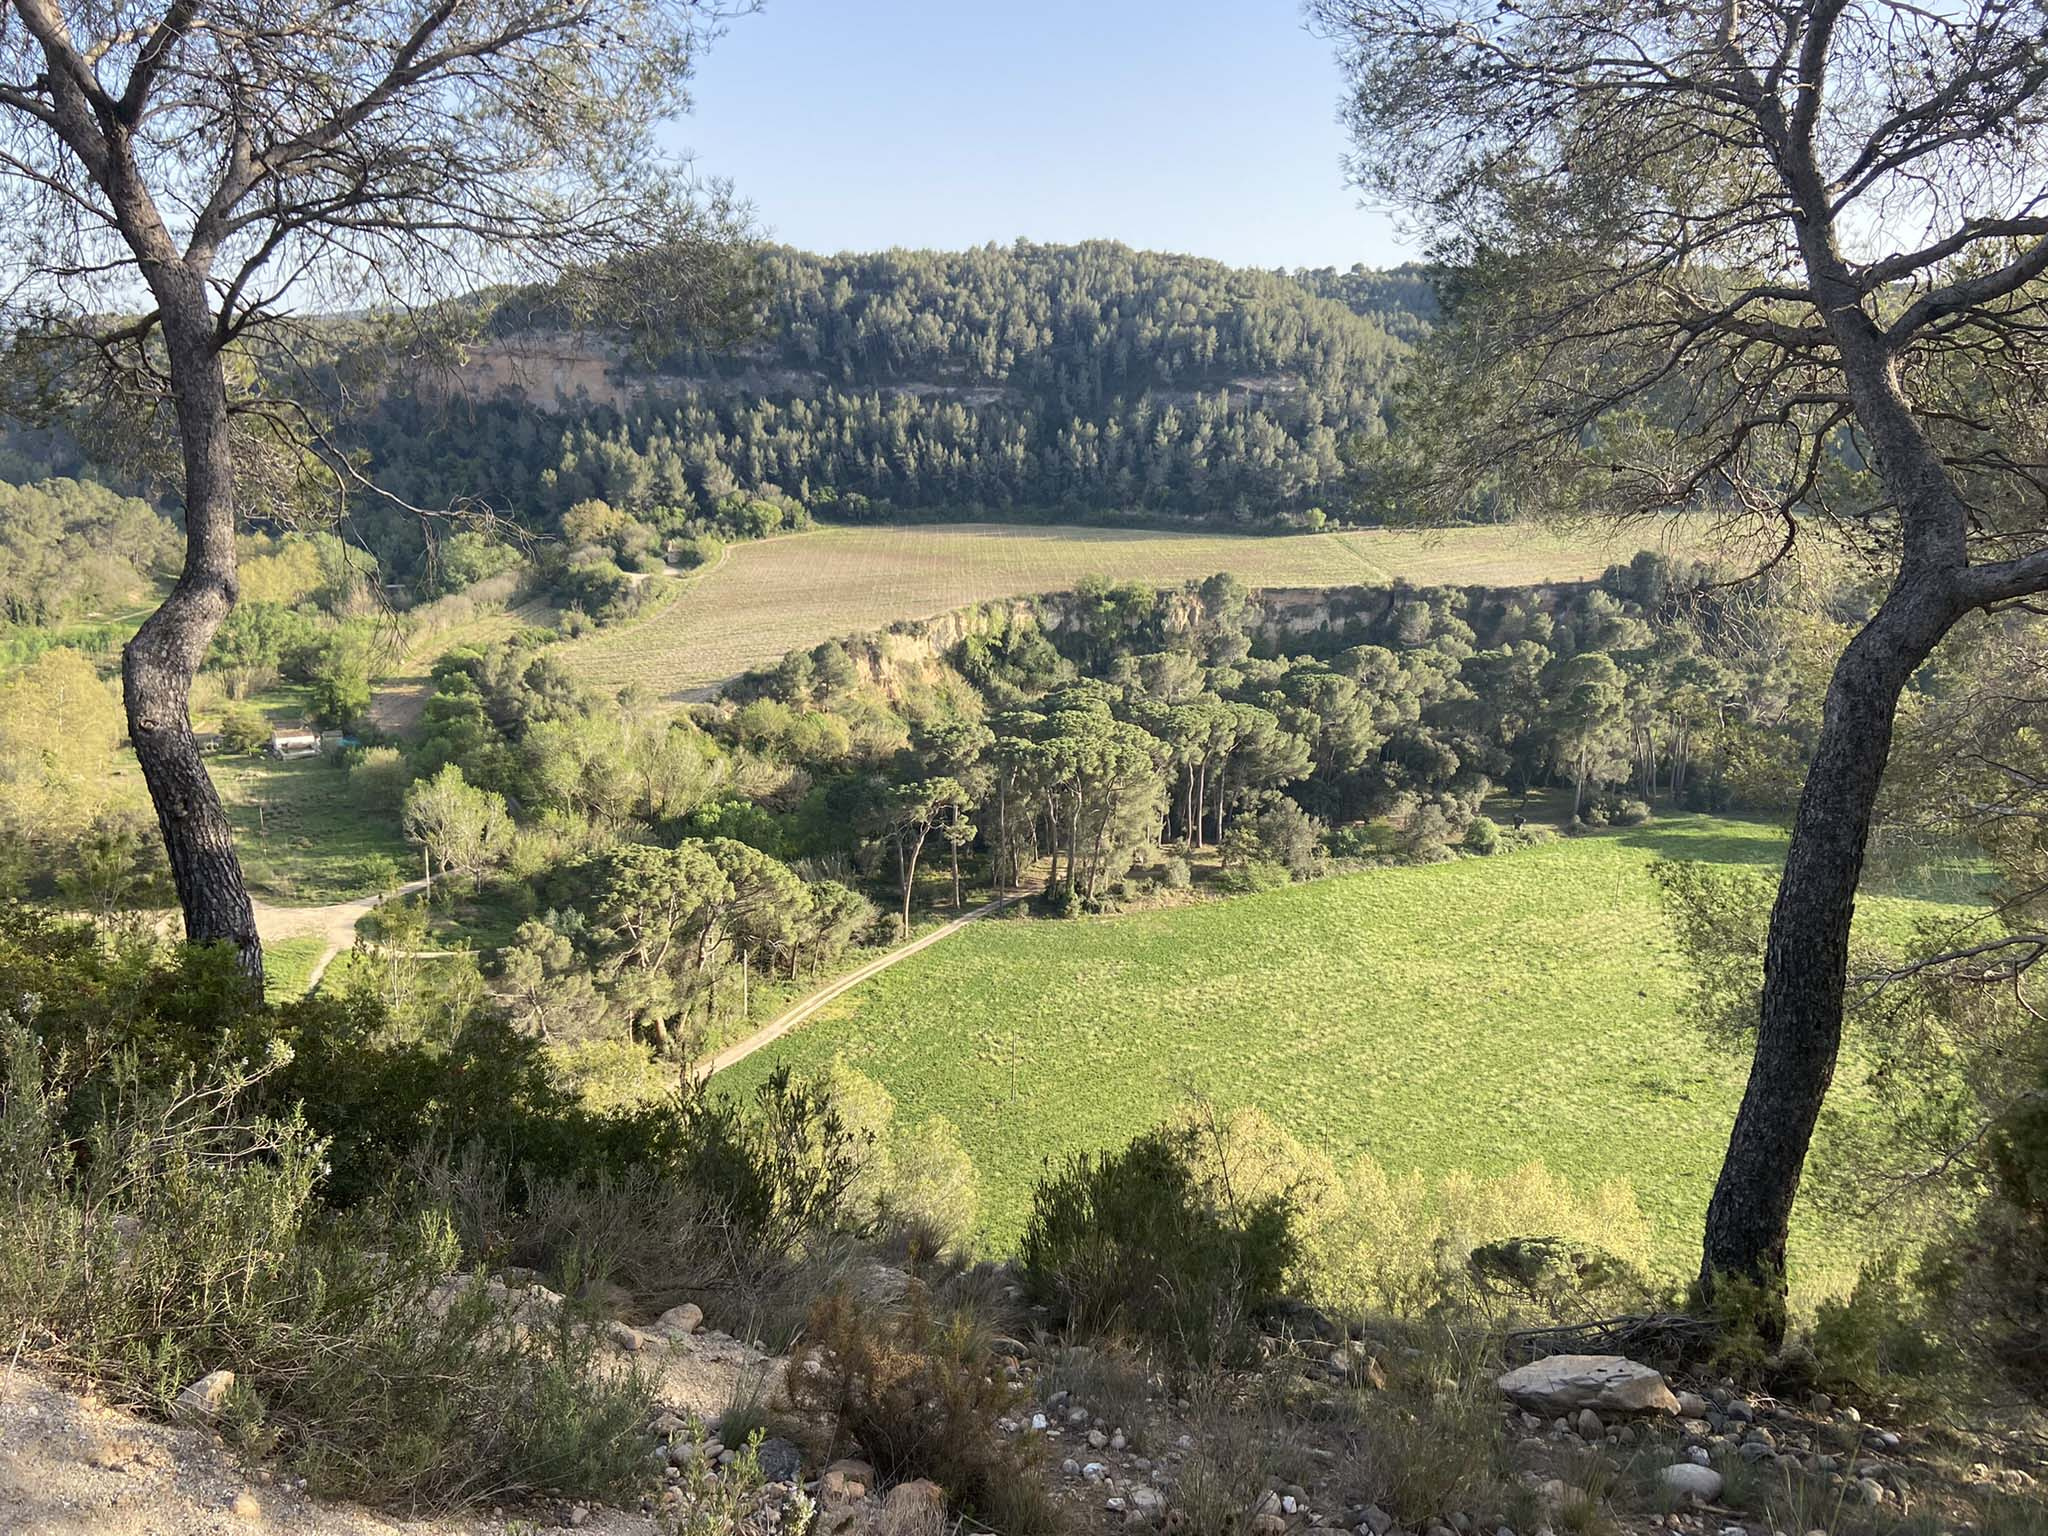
(1711, 842)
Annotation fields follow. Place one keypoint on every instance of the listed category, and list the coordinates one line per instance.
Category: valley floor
(1478, 1015)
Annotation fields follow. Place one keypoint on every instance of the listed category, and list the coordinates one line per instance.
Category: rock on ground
(1691, 1481)
(1569, 1384)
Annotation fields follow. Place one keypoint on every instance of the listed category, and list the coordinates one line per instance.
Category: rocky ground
(1579, 1445)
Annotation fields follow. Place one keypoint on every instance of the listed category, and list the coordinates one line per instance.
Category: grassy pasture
(303, 838)
(772, 597)
(1472, 1015)
(288, 966)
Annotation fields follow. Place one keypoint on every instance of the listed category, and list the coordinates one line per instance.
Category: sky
(1201, 126)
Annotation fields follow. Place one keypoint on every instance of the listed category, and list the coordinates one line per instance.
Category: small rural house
(291, 741)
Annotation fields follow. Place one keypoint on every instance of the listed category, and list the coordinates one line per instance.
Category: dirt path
(798, 1013)
(400, 699)
(74, 1465)
(335, 923)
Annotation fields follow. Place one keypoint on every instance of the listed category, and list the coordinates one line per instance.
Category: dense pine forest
(1034, 380)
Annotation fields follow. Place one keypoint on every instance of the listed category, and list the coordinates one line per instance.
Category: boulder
(780, 1460)
(840, 1489)
(682, 1321)
(1689, 1481)
(913, 1509)
(1568, 1384)
(204, 1398)
(626, 1337)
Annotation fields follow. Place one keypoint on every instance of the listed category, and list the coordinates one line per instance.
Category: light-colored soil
(334, 925)
(71, 1465)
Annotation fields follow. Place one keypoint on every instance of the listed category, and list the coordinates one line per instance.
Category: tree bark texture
(158, 665)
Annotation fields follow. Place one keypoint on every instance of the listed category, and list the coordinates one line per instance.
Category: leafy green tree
(1586, 720)
(115, 867)
(908, 818)
(1680, 278)
(466, 829)
(338, 671)
(167, 199)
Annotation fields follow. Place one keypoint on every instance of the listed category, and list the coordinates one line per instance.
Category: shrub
(1175, 875)
(689, 552)
(1401, 1245)
(1287, 835)
(1483, 836)
(1987, 1284)
(1434, 1441)
(932, 1182)
(1614, 811)
(1876, 1334)
(1137, 1240)
(920, 1394)
(378, 780)
(780, 1175)
(1253, 876)
(1555, 1278)
(1057, 901)
(184, 1235)
(243, 728)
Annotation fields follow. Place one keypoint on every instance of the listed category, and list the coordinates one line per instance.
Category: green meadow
(1473, 1015)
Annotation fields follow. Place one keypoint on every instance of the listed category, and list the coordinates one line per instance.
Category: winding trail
(800, 1012)
(334, 923)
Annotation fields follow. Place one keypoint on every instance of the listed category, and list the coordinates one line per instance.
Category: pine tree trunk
(1806, 957)
(158, 665)
(1006, 858)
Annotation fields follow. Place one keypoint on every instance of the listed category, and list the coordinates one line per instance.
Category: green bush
(1057, 901)
(183, 1234)
(1252, 876)
(171, 1209)
(1140, 1241)
(243, 728)
(1483, 836)
(1866, 1341)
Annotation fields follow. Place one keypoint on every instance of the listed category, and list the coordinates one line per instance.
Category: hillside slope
(1088, 378)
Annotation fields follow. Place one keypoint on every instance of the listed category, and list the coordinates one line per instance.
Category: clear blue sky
(1207, 126)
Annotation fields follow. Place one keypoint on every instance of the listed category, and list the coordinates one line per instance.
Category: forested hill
(1029, 379)
(1079, 326)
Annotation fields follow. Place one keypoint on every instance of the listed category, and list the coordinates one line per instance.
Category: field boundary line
(801, 1012)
